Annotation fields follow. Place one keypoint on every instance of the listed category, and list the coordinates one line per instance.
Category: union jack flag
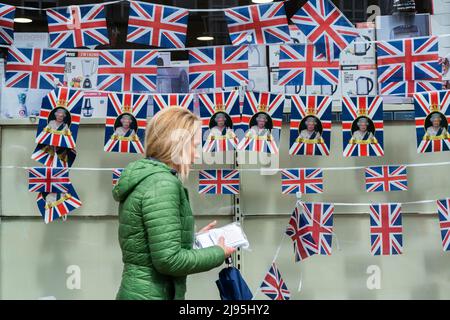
(386, 178)
(48, 179)
(134, 106)
(212, 104)
(127, 70)
(77, 26)
(35, 68)
(408, 59)
(409, 88)
(371, 143)
(325, 26)
(302, 64)
(116, 173)
(258, 24)
(218, 67)
(163, 101)
(301, 180)
(303, 107)
(158, 26)
(274, 286)
(7, 14)
(66, 135)
(266, 139)
(444, 222)
(427, 104)
(321, 215)
(299, 230)
(386, 231)
(57, 205)
(51, 156)
(221, 181)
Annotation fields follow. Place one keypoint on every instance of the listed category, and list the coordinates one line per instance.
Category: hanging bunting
(77, 26)
(310, 125)
(220, 114)
(51, 156)
(116, 173)
(48, 179)
(35, 68)
(386, 231)
(56, 205)
(262, 113)
(258, 24)
(299, 230)
(221, 181)
(386, 178)
(7, 14)
(301, 180)
(163, 101)
(219, 67)
(125, 122)
(274, 286)
(156, 25)
(362, 126)
(409, 88)
(444, 222)
(321, 220)
(127, 70)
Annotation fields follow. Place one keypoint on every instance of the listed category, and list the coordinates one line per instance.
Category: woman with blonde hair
(156, 226)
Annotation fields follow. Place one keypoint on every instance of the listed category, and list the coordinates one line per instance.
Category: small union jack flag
(219, 67)
(325, 26)
(77, 26)
(116, 173)
(127, 70)
(56, 205)
(7, 14)
(444, 222)
(163, 101)
(35, 68)
(302, 64)
(221, 181)
(299, 230)
(258, 24)
(386, 231)
(321, 215)
(408, 59)
(48, 179)
(274, 286)
(386, 178)
(409, 88)
(51, 156)
(301, 180)
(156, 25)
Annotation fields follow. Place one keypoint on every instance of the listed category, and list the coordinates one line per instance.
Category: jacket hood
(134, 173)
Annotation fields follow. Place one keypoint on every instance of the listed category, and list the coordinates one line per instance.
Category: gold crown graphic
(126, 108)
(262, 108)
(362, 112)
(434, 108)
(311, 110)
(220, 107)
(61, 103)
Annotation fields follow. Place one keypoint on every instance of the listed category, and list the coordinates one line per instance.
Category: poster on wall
(81, 69)
(18, 103)
(94, 104)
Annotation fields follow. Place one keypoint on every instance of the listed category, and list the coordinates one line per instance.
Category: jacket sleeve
(161, 213)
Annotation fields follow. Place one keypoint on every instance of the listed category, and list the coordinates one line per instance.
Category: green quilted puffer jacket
(156, 233)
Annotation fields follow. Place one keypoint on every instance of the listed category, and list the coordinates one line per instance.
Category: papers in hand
(233, 234)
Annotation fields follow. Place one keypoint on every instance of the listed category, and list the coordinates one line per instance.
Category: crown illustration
(311, 110)
(220, 107)
(262, 108)
(434, 108)
(61, 103)
(362, 112)
(126, 108)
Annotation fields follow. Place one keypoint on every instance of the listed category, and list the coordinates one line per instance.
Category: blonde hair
(169, 137)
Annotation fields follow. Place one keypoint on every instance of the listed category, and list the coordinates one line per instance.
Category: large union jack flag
(386, 178)
(156, 25)
(35, 68)
(116, 173)
(221, 181)
(409, 88)
(426, 105)
(325, 26)
(301, 180)
(302, 64)
(127, 70)
(444, 222)
(386, 231)
(258, 24)
(408, 59)
(56, 205)
(219, 67)
(362, 143)
(117, 138)
(64, 134)
(274, 286)
(163, 101)
(7, 14)
(48, 179)
(302, 108)
(77, 26)
(216, 139)
(51, 156)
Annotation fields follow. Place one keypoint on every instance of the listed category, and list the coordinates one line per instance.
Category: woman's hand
(228, 250)
(208, 227)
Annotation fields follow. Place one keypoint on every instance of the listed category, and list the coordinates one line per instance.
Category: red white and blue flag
(274, 286)
(7, 14)
(301, 180)
(258, 24)
(63, 204)
(48, 179)
(299, 230)
(51, 156)
(325, 26)
(77, 26)
(409, 88)
(163, 101)
(35, 68)
(386, 230)
(409, 59)
(221, 181)
(386, 178)
(219, 67)
(444, 222)
(321, 216)
(156, 25)
(116, 173)
(127, 70)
